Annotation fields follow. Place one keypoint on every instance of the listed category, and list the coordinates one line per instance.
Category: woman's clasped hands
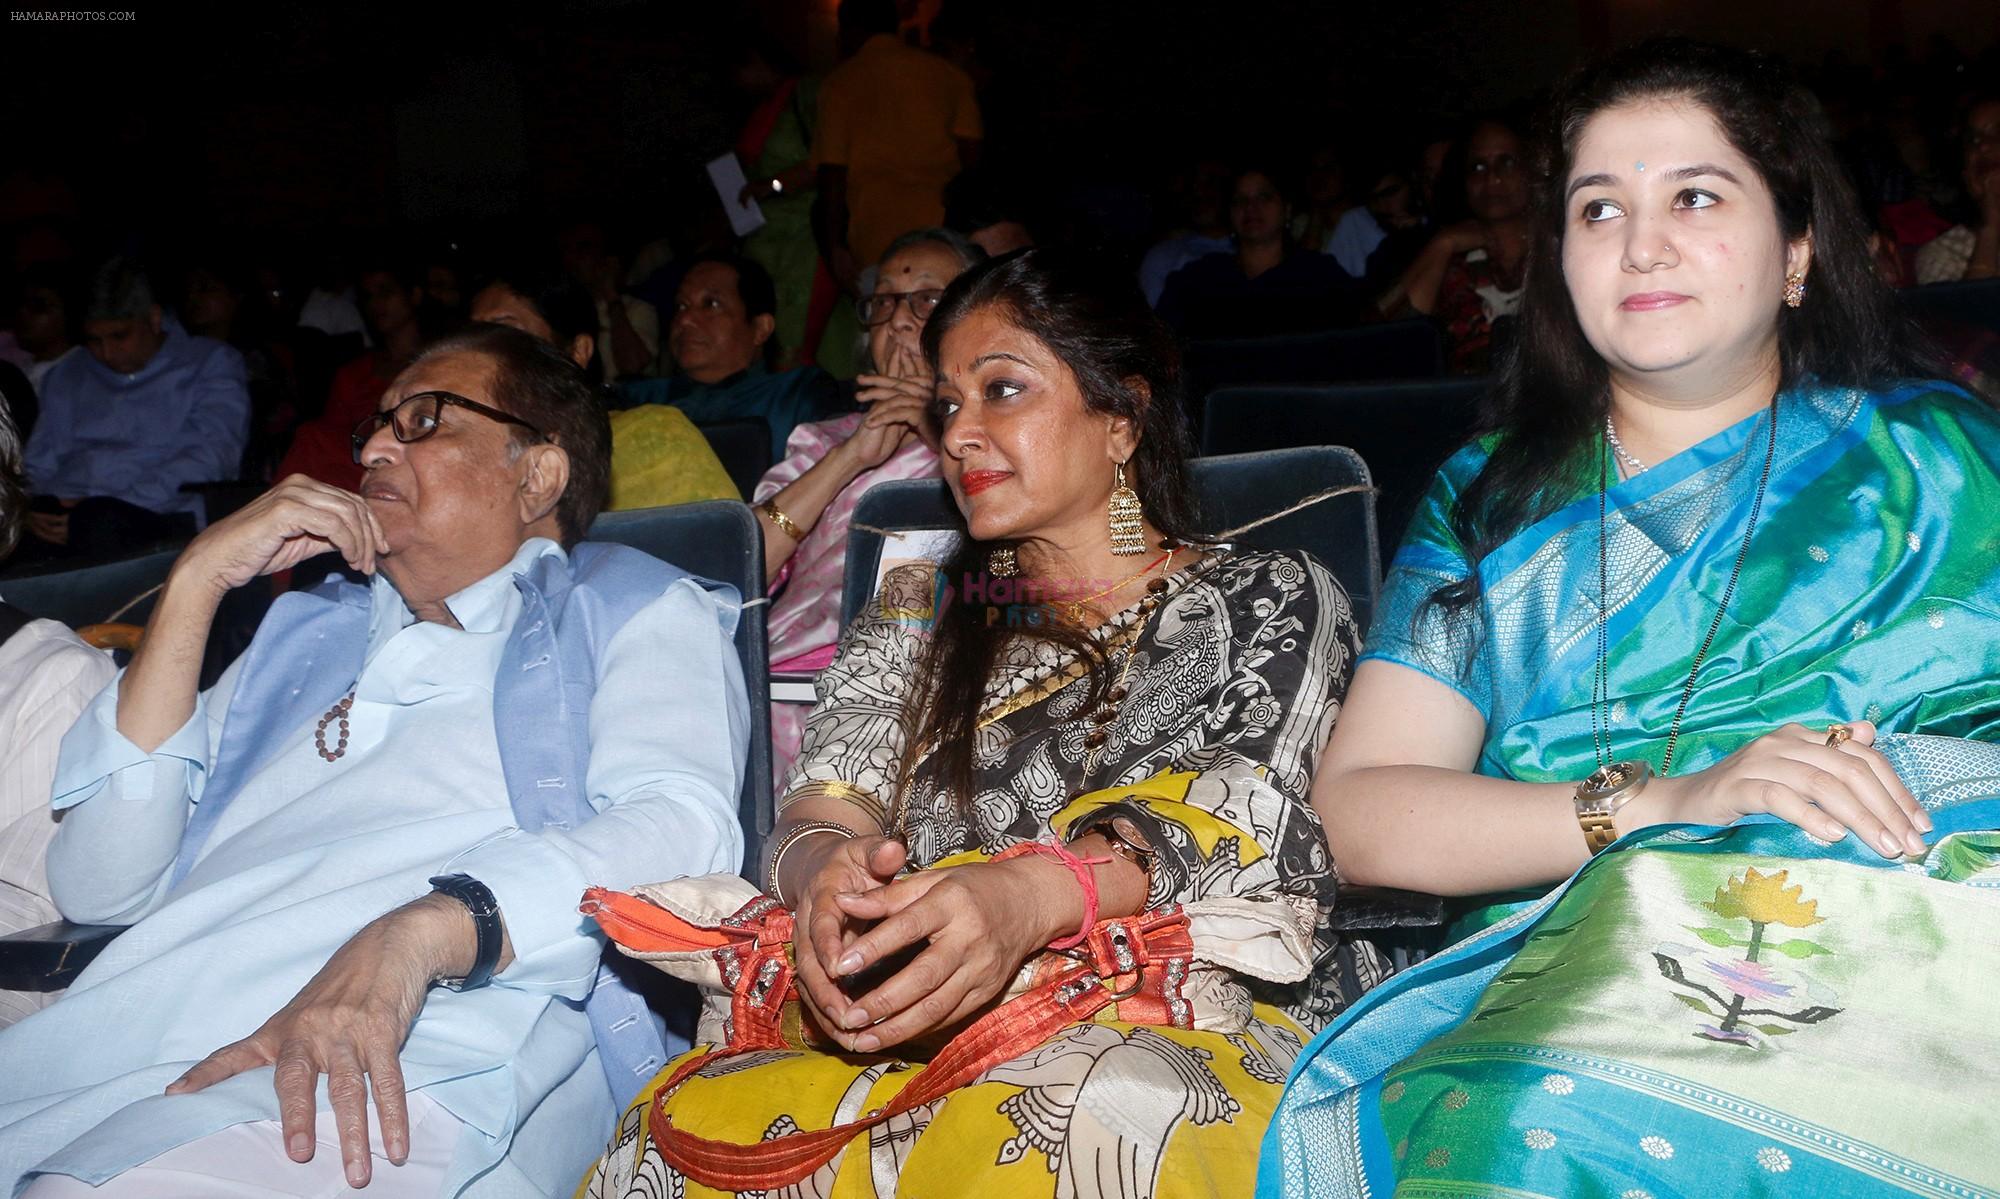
(965, 931)
(898, 404)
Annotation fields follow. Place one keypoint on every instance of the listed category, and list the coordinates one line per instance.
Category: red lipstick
(973, 482)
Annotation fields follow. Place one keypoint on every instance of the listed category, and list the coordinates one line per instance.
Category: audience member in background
(1268, 285)
(988, 212)
(895, 125)
(808, 499)
(1429, 173)
(1204, 190)
(373, 738)
(329, 304)
(1378, 238)
(1470, 274)
(392, 296)
(217, 302)
(1971, 250)
(658, 457)
(1917, 181)
(444, 287)
(210, 300)
(719, 337)
(1326, 201)
(815, 322)
(46, 678)
(150, 408)
(628, 328)
(1714, 420)
(43, 330)
(545, 304)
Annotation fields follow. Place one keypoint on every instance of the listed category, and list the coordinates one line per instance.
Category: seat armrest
(49, 957)
(1373, 909)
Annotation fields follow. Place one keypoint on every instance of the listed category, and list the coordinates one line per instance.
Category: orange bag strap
(752, 948)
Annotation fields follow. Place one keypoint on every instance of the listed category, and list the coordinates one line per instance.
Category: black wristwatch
(485, 909)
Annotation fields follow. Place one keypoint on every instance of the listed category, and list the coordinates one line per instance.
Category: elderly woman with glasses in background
(807, 500)
(442, 760)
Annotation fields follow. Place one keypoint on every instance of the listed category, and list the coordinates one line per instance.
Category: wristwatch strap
(485, 910)
(1599, 798)
(1122, 834)
(1598, 830)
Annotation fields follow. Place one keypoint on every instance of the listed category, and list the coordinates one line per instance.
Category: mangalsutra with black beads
(1600, 691)
(1100, 720)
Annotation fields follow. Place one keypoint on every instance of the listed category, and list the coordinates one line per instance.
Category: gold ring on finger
(1838, 735)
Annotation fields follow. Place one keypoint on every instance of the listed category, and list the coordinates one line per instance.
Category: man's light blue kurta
(310, 850)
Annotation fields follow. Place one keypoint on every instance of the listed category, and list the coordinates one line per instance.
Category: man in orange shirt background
(896, 124)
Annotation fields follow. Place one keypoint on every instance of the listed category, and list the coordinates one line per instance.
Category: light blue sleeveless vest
(308, 653)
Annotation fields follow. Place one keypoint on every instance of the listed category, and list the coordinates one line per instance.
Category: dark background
(300, 122)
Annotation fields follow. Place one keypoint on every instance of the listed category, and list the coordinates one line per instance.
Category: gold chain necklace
(1074, 608)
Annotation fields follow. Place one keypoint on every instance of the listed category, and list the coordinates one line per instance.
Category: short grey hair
(967, 251)
(13, 486)
(120, 291)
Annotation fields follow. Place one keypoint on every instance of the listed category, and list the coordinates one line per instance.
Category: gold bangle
(799, 833)
(836, 789)
(785, 523)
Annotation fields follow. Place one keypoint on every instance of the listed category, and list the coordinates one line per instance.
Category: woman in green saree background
(1724, 537)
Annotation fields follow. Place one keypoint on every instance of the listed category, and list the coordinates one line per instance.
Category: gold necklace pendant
(1074, 609)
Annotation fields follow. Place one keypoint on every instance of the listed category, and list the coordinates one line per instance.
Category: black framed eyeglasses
(880, 307)
(418, 416)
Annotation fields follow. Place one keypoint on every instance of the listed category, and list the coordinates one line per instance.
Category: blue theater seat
(1403, 430)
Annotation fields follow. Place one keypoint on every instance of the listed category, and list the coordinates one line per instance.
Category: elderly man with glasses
(378, 823)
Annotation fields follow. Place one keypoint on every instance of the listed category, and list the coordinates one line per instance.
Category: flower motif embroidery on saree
(1787, 999)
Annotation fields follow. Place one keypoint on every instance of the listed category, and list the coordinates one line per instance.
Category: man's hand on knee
(349, 1024)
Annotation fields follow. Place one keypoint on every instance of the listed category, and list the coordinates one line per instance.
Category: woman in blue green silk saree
(1710, 629)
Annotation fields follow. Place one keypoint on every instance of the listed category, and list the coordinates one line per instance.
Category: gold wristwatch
(1599, 797)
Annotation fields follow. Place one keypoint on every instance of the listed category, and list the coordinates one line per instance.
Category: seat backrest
(1411, 349)
(91, 594)
(1973, 302)
(719, 540)
(87, 595)
(1233, 491)
(744, 446)
(1403, 430)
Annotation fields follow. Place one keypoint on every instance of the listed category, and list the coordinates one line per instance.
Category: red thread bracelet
(1080, 867)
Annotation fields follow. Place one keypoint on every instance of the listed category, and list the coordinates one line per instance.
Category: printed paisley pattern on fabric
(1234, 683)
